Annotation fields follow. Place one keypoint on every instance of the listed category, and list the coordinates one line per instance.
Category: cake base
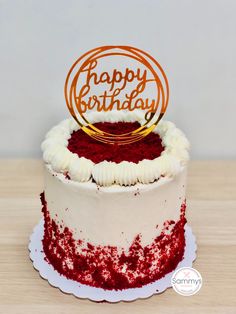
(69, 286)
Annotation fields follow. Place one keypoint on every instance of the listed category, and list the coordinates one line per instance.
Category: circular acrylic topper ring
(118, 78)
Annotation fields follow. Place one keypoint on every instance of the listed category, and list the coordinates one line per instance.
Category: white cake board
(47, 272)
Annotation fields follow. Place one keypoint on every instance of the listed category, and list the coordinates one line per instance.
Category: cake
(114, 215)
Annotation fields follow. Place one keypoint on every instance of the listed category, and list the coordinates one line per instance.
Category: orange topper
(118, 78)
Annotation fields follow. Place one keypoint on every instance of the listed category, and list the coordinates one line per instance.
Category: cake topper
(118, 78)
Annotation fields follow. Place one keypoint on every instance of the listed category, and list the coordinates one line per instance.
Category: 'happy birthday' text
(117, 81)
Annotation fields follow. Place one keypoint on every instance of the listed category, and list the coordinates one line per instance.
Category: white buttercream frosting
(118, 213)
(80, 169)
(172, 160)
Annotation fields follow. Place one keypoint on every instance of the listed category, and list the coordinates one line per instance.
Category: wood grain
(211, 212)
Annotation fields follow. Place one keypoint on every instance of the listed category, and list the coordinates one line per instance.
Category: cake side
(113, 215)
(103, 243)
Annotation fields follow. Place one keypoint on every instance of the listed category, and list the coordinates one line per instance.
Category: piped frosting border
(172, 160)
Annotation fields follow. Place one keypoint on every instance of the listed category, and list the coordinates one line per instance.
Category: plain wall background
(195, 42)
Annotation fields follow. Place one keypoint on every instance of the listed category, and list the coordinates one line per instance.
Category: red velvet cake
(114, 215)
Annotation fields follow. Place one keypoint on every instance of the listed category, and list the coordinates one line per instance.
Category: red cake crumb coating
(108, 267)
(148, 148)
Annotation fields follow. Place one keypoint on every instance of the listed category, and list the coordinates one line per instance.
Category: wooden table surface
(211, 197)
